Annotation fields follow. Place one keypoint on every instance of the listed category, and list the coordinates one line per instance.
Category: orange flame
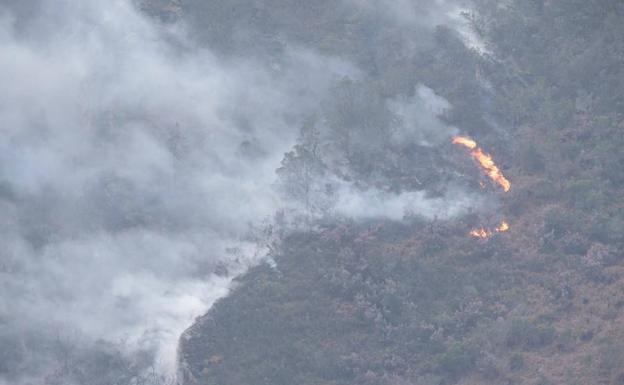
(484, 160)
(481, 233)
(484, 233)
(465, 141)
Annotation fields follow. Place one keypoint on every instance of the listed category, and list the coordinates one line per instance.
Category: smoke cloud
(132, 165)
(376, 204)
(420, 118)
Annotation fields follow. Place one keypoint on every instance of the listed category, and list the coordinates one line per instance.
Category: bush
(516, 362)
(530, 159)
(525, 334)
(560, 221)
(544, 190)
(543, 381)
(457, 360)
(566, 341)
(611, 357)
(585, 194)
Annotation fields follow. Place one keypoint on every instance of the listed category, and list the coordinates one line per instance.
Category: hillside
(421, 302)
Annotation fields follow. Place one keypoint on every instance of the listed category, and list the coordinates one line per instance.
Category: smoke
(418, 122)
(133, 164)
(131, 167)
(420, 118)
(427, 13)
(376, 204)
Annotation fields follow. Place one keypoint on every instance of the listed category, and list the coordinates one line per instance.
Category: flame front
(504, 226)
(493, 172)
(484, 233)
(485, 161)
(481, 233)
(465, 141)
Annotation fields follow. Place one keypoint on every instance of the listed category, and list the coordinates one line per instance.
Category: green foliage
(344, 309)
(530, 159)
(340, 311)
(516, 362)
(557, 49)
(566, 341)
(458, 359)
(585, 194)
(560, 221)
(543, 380)
(526, 334)
(544, 190)
(611, 356)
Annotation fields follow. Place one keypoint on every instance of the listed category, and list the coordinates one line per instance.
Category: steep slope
(423, 303)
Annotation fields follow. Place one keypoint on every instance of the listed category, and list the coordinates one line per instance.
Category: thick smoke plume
(133, 164)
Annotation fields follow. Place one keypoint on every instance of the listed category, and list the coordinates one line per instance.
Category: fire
(485, 161)
(493, 172)
(465, 141)
(484, 233)
(481, 233)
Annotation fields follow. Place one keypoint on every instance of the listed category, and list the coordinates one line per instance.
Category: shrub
(525, 334)
(530, 159)
(516, 362)
(457, 360)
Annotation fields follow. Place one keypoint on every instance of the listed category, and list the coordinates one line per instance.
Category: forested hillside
(419, 301)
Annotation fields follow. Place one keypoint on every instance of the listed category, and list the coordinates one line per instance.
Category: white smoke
(131, 167)
(377, 204)
(420, 118)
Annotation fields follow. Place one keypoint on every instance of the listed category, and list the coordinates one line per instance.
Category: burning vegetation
(485, 162)
(484, 233)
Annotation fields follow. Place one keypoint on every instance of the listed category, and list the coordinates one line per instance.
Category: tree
(302, 171)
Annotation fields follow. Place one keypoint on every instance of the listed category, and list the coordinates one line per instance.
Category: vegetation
(417, 302)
